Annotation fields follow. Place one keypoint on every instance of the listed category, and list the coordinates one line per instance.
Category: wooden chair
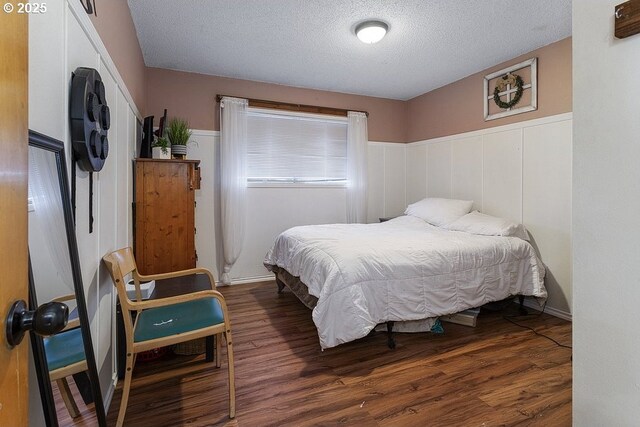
(168, 321)
(65, 357)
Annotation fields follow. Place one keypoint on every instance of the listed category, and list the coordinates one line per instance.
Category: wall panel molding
(93, 36)
(520, 125)
(520, 171)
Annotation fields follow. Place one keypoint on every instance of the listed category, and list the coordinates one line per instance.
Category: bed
(356, 276)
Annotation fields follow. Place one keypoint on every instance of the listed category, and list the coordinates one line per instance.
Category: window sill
(336, 185)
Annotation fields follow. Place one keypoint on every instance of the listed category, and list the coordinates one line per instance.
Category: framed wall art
(512, 90)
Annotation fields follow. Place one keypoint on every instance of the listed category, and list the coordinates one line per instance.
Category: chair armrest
(161, 302)
(64, 298)
(181, 273)
(75, 323)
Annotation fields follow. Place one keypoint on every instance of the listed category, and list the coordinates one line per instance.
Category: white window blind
(295, 148)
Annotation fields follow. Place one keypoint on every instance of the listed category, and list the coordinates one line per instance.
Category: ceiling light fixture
(371, 31)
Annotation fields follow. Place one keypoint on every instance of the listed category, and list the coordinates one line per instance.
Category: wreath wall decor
(512, 90)
(505, 82)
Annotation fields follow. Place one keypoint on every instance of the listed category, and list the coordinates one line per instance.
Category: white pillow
(439, 212)
(487, 225)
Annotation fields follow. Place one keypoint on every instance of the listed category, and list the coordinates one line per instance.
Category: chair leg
(209, 351)
(125, 389)
(83, 384)
(232, 384)
(218, 349)
(67, 397)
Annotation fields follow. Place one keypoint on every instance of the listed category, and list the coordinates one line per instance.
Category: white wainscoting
(60, 41)
(387, 180)
(271, 210)
(521, 172)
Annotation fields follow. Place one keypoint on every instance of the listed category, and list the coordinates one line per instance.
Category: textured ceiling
(311, 43)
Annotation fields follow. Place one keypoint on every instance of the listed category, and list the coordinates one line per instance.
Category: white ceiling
(311, 43)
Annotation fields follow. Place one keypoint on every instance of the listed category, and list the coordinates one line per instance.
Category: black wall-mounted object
(89, 8)
(147, 138)
(163, 122)
(90, 119)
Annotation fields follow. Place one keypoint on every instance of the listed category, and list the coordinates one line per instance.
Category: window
(284, 147)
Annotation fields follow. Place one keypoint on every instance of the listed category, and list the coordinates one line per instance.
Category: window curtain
(233, 179)
(357, 140)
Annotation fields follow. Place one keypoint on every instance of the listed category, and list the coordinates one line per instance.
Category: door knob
(47, 319)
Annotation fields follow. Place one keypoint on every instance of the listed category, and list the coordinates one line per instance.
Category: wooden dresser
(164, 214)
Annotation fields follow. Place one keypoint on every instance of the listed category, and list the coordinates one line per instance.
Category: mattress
(400, 270)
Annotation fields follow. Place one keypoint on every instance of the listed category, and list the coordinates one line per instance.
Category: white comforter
(402, 269)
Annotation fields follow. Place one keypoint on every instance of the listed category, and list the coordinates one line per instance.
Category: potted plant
(178, 133)
(160, 148)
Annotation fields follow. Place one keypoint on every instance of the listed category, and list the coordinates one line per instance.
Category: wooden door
(14, 171)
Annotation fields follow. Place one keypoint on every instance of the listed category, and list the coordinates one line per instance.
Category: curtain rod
(275, 105)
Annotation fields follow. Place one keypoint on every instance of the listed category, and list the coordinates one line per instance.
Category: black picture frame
(40, 141)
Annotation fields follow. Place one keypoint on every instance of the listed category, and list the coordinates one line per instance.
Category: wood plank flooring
(492, 375)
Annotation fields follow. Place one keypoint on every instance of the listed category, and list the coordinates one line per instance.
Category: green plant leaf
(178, 131)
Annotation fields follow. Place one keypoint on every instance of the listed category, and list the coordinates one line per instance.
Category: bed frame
(300, 290)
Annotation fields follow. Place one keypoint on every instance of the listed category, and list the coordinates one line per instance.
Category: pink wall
(449, 110)
(115, 27)
(457, 107)
(193, 96)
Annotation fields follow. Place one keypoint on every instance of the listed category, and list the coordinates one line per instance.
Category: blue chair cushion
(64, 349)
(177, 319)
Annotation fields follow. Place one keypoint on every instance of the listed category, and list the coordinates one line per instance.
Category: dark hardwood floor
(491, 375)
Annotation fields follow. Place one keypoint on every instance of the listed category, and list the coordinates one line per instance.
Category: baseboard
(245, 280)
(549, 310)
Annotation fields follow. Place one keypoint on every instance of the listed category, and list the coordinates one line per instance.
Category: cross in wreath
(509, 84)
